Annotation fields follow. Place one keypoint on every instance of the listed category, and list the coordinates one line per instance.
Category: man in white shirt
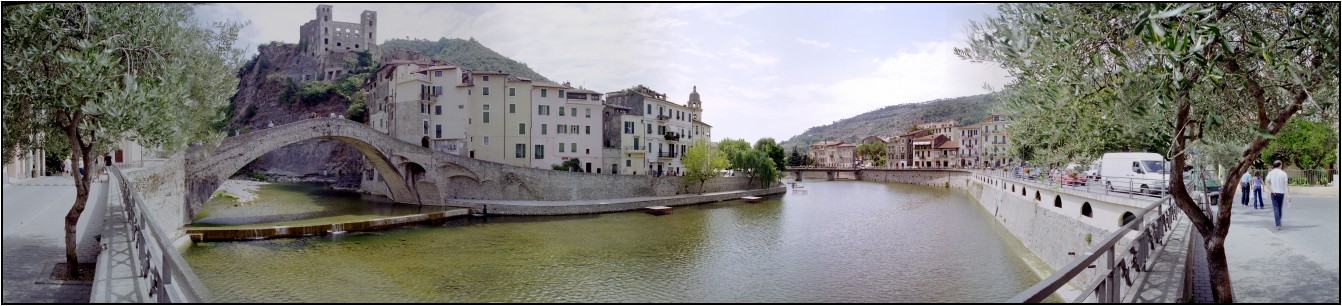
(1244, 187)
(1276, 182)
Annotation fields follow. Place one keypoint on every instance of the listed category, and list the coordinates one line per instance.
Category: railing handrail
(1046, 287)
(192, 291)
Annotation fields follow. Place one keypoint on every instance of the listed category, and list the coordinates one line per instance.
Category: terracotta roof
(582, 90)
(545, 84)
(488, 72)
(949, 145)
(827, 143)
(847, 145)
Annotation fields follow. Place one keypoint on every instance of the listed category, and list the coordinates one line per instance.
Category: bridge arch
(208, 166)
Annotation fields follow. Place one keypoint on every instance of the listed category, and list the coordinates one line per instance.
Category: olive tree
(1097, 77)
(97, 74)
(702, 162)
(774, 151)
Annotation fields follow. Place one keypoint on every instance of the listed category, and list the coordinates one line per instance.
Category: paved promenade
(34, 239)
(1298, 264)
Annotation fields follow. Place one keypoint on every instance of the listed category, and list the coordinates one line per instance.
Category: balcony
(666, 154)
(672, 136)
(663, 117)
(633, 149)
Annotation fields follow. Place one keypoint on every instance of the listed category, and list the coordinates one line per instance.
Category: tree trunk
(81, 199)
(1222, 291)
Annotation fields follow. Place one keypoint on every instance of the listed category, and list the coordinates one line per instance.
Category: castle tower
(368, 21)
(694, 102)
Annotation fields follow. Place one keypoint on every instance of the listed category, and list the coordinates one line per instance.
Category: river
(841, 242)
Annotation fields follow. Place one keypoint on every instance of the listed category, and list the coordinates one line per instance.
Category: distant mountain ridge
(467, 53)
(896, 119)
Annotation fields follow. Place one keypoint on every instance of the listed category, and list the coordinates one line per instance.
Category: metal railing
(1121, 255)
(169, 277)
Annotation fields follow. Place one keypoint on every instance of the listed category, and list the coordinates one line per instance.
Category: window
(649, 108)
(573, 147)
(561, 129)
(574, 111)
(437, 109)
(648, 129)
(636, 143)
(438, 131)
(628, 127)
(486, 80)
(486, 106)
(460, 106)
(589, 112)
(422, 106)
(512, 91)
(543, 132)
(438, 74)
(522, 128)
(521, 150)
(561, 93)
(628, 163)
(561, 111)
(561, 148)
(486, 117)
(485, 91)
(486, 140)
(540, 150)
(512, 108)
(426, 127)
(542, 93)
(588, 130)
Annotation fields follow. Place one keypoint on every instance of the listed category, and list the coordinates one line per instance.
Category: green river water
(841, 242)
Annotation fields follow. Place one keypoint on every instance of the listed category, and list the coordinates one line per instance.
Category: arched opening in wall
(424, 142)
(1127, 217)
(1013, 188)
(1036, 197)
(1085, 210)
(1057, 201)
(1022, 191)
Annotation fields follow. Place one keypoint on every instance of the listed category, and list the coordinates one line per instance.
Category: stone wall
(614, 206)
(1027, 210)
(162, 188)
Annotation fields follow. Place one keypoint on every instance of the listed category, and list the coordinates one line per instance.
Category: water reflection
(842, 242)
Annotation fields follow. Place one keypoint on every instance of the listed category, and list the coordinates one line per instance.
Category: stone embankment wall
(162, 187)
(1047, 220)
(614, 205)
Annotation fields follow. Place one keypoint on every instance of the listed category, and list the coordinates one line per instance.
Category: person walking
(1257, 192)
(1244, 181)
(1276, 182)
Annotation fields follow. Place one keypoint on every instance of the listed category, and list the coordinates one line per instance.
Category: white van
(1138, 172)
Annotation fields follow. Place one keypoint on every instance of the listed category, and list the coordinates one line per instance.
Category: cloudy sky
(763, 70)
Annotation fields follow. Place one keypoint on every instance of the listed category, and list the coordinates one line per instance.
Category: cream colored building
(664, 128)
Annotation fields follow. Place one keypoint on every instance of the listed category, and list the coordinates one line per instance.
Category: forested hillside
(897, 119)
(467, 53)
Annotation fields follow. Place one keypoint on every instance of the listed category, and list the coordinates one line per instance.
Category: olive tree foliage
(873, 152)
(702, 162)
(1090, 78)
(758, 165)
(97, 74)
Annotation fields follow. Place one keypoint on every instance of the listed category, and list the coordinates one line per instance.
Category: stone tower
(694, 102)
(329, 41)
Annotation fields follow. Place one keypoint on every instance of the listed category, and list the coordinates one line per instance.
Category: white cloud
(932, 71)
(817, 44)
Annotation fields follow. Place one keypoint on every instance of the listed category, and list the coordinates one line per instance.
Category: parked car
(1093, 170)
(1134, 172)
(1210, 187)
(1070, 176)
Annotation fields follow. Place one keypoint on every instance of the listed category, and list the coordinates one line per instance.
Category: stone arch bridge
(413, 174)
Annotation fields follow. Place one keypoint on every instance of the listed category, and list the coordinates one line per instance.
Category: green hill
(467, 53)
(897, 119)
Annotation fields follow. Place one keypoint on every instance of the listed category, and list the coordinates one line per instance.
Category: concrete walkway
(1163, 281)
(117, 280)
(34, 239)
(1297, 264)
